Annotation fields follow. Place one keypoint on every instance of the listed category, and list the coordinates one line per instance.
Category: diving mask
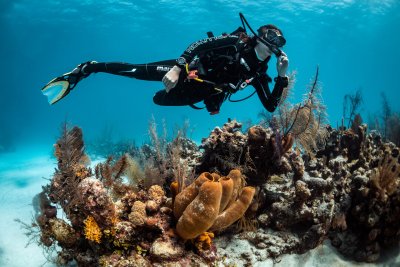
(274, 38)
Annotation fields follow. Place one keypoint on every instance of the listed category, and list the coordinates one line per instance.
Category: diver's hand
(282, 64)
(171, 78)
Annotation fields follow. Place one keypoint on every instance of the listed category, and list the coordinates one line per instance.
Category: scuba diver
(209, 70)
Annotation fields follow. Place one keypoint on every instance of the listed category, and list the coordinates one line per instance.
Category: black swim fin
(59, 87)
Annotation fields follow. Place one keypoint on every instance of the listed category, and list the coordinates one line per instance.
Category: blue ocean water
(355, 44)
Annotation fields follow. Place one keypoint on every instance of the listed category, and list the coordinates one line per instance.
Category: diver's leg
(185, 93)
(150, 72)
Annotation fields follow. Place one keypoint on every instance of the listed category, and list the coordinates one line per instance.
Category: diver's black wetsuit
(226, 62)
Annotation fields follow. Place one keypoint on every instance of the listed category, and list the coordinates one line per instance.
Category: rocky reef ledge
(185, 205)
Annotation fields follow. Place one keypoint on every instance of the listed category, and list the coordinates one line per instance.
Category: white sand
(21, 178)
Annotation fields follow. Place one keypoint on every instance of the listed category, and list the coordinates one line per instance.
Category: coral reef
(347, 190)
(252, 187)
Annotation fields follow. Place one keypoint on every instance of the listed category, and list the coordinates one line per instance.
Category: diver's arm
(204, 45)
(269, 100)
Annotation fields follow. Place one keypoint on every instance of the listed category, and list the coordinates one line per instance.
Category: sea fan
(385, 177)
(69, 151)
(305, 121)
(110, 173)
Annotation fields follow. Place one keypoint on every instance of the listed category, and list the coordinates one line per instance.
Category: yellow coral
(92, 230)
(204, 241)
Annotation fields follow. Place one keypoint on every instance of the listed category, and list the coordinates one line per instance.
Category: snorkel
(272, 47)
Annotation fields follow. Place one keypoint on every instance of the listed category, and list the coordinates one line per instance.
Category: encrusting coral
(92, 230)
(63, 233)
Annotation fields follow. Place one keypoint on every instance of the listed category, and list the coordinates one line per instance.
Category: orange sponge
(200, 214)
(183, 199)
(236, 177)
(235, 211)
(227, 190)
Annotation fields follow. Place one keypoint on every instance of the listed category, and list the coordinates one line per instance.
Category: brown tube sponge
(183, 199)
(215, 176)
(201, 212)
(235, 211)
(227, 190)
(236, 177)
